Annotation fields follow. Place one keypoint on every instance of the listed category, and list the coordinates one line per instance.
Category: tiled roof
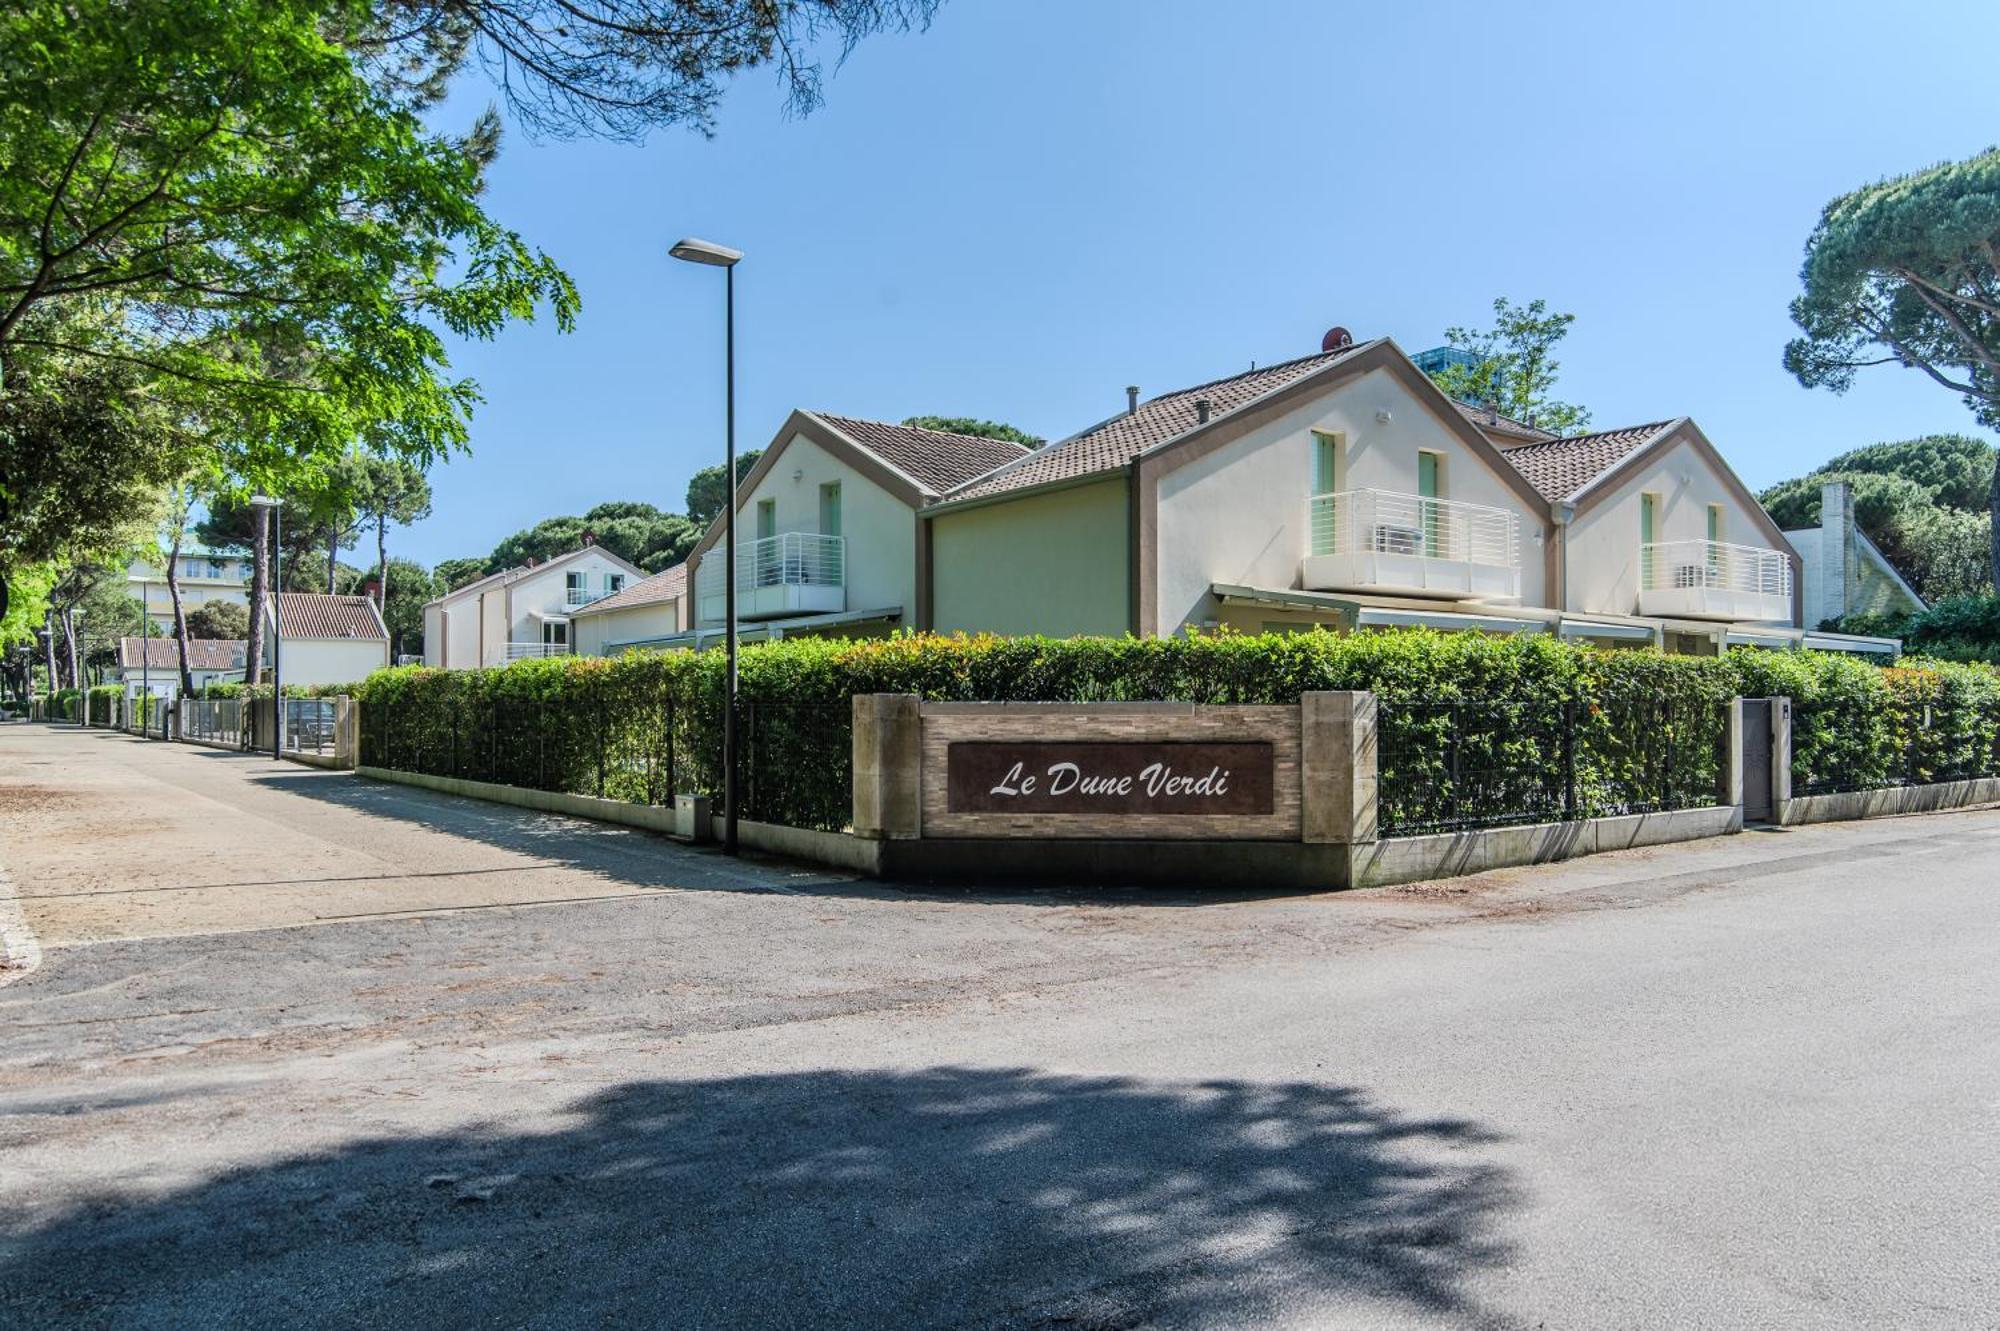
(164, 653)
(666, 585)
(1496, 423)
(1115, 442)
(935, 459)
(1561, 467)
(318, 615)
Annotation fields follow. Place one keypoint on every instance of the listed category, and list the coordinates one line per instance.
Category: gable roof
(1494, 422)
(164, 653)
(1114, 443)
(666, 585)
(520, 571)
(1559, 468)
(936, 460)
(318, 615)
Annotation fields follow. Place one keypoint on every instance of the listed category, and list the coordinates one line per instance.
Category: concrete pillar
(1732, 751)
(1337, 775)
(888, 764)
(346, 730)
(1781, 757)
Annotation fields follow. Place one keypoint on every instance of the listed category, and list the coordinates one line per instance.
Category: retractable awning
(763, 630)
(1775, 639)
(1590, 628)
(1851, 642)
(1374, 616)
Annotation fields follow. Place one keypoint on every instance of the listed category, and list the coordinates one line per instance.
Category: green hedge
(1582, 731)
(227, 691)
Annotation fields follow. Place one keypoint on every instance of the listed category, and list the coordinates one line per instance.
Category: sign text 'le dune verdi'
(1105, 776)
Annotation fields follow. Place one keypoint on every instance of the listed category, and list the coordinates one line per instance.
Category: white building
(153, 664)
(521, 612)
(205, 575)
(1845, 574)
(326, 639)
(645, 614)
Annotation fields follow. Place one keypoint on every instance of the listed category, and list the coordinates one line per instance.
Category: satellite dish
(1336, 339)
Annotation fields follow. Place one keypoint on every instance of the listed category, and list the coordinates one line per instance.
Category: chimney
(1838, 559)
(1131, 399)
(1202, 407)
(589, 537)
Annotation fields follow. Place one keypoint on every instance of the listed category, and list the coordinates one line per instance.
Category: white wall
(880, 528)
(331, 660)
(433, 635)
(1602, 545)
(1239, 515)
(594, 634)
(546, 589)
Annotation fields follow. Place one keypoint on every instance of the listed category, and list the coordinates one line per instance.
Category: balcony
(522, 651)
(1711, 580)
(792, 573)
(1406, 545)
(576, 596)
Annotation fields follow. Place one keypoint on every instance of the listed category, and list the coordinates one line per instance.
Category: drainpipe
(1559, 533)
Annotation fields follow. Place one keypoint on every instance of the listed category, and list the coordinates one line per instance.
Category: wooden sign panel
(1118, 777)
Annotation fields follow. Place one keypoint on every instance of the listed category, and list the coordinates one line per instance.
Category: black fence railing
(1838, 747)
(309, 725)
(796, 761)
(217, 721)
(1447, 766)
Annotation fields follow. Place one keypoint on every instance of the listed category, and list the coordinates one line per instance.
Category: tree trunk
(1993, 506)
(332, 558)
(69, 646)
(260, 591)
(180, 613)
(50, 618)
(382, 562)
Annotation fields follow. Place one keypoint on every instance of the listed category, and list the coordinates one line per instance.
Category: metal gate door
(1757, 760)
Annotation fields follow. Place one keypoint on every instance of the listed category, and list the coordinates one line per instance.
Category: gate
(1757, 760)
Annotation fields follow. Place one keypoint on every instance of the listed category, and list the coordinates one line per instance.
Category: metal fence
(1837, 745)
(218, 721)
(1447, 766)
(309, 725)
(796, 761)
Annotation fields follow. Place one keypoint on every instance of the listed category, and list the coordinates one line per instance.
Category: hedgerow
(1585, 730)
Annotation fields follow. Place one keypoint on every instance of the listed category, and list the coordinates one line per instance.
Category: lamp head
(690, 250)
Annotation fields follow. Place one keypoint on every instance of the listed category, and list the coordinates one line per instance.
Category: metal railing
(309, 725)
(1448, 766)
(789, 559)
(1714, 565)
(585, 595)
(525, 651)
(641, 747)
(1385, 522)
(219, 721)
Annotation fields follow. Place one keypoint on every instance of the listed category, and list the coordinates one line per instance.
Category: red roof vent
(1336, 339)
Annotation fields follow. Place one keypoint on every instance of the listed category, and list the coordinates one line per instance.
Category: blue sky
(1031, 205)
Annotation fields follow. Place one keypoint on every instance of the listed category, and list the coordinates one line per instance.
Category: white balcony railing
(792, 573)
(1715, 580)
(1379, 540)
(521, 651)
(585, 595)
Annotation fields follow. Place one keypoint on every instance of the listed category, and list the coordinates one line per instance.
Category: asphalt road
(306, 1050)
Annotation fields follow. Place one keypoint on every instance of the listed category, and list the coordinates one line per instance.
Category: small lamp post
(712, 255)
(264, 503)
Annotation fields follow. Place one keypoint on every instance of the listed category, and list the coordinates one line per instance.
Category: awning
(1374, 617)
(1850, 642)
(1783, 642)
(761, 631)
(1590, 628)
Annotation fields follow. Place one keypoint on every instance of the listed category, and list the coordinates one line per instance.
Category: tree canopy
(638, 532)
(973, 426)
(219, 619)
(706, 492)
(1514, 368)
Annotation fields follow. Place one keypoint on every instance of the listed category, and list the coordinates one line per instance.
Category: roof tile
(163, 653)
(936, 459)
(1558, 468)
(318, 615)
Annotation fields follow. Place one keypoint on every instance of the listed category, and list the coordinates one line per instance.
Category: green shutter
(1427, 475)
(1647, 518)
(1326, 463)
(767, 518)
(829, 509)
(1715, 522)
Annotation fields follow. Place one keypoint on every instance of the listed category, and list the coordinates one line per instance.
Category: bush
(1580, 731)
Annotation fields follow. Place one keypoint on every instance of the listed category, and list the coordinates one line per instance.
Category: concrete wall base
(1415, 859)
(1888, 803)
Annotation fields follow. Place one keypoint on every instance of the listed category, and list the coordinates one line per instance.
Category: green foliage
(1516, 369)
(633, 531)
(219, 619)
(451, 574)
(409, 586)
(973, 426)
(647, 725)
(706, 491)
(1963, 628)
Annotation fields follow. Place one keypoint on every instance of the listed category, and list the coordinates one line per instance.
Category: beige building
(521, 612)
(326, 639)
(204, 575)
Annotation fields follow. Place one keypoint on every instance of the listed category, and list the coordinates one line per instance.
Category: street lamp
(79, 660)
(264, 503)
(145, 657)
(721, 256)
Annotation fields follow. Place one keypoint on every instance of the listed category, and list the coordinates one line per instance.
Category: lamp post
(146, 657)
(712, 255)
(266, 504)
(79, 656)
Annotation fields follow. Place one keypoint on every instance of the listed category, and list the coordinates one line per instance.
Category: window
(555, 633)
(1649, 520)
(829, 509)
(767, 519)
(1329, 473)
(1430, 513)
(1715, 522)
(614, 583)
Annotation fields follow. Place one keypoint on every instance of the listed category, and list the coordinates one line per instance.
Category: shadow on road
(644, 859)
(947, 1197)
